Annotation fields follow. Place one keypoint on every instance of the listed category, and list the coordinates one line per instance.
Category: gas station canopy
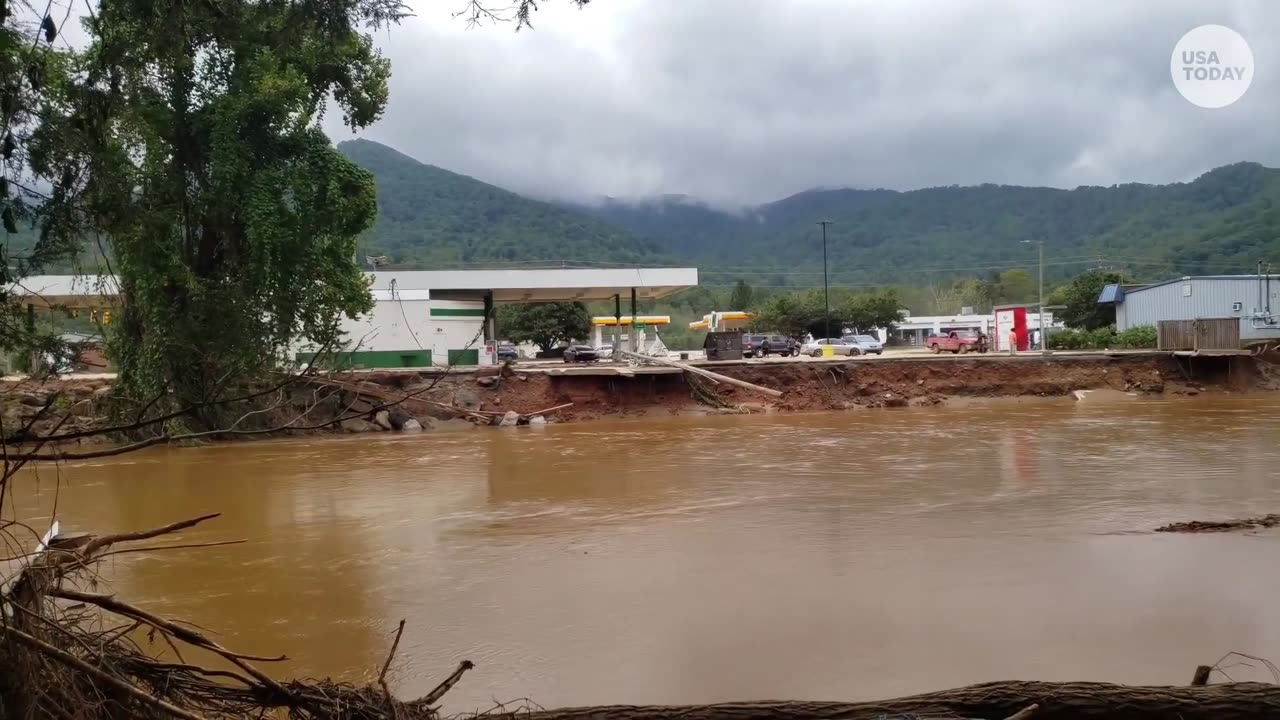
(506, 285)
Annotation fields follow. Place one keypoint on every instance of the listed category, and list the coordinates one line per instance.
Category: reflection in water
(836, 556)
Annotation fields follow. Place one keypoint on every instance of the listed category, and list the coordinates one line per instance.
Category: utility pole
(1044, 332)
(826, 289)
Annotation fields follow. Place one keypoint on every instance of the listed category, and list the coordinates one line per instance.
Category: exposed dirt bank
(373, 401)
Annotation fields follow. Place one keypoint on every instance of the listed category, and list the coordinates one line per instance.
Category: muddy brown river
(832, 556)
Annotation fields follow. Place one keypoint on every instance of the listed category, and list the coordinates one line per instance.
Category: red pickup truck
(958, 341)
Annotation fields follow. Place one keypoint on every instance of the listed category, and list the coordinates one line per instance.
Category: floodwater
(831, 556)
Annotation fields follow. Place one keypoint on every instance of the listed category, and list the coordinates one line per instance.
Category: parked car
(605, 352)
(778, 345)
(838, 345)
(958, 341)
(866, 344)
(508, 352)
(580, 354)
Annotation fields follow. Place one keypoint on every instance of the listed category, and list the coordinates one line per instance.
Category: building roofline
(1186, 278)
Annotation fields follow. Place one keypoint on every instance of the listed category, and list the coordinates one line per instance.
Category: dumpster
(723, 345)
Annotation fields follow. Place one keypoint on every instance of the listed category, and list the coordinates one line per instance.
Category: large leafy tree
(1080, 298)
(231, 218)
(545, 324)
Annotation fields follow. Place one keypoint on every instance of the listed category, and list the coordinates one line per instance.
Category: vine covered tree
(232, 219)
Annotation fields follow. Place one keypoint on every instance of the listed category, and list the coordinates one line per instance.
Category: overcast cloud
(746, 101)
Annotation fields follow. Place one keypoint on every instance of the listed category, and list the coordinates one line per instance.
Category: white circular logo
(1212, 66)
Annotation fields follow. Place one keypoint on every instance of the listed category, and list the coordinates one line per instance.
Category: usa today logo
(1212, 66)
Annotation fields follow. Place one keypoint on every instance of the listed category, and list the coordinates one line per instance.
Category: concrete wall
(414, 333)
(1200, 298)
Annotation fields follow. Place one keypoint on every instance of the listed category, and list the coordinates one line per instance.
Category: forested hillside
(431, 217)
(1224, 221)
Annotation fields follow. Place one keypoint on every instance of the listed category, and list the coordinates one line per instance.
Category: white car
(838, 346)
(605, 352)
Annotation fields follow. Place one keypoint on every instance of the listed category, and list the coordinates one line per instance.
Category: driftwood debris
(1211, 526)
(990, 701)
(715, 377)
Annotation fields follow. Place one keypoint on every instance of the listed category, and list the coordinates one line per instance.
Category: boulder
(537, 420)
(511, 419)
(356, 425)
(398, 418)
(382, 419)
(32, 399)
(487, 381)
(467, 399)
(412, 425)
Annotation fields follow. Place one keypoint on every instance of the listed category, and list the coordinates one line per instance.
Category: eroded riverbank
(386, 400)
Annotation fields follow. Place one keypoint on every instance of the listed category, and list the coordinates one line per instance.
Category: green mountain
(1224, 221)
(435, 218)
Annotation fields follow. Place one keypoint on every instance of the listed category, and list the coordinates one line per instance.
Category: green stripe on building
(457, 312)
(375, 359)
(464, 357)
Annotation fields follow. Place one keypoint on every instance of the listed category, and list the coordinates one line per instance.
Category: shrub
(1105, 338)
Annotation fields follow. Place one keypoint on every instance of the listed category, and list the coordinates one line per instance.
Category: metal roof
(1111, 294)
(1189, 278)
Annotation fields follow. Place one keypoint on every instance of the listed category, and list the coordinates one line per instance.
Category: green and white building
(437, 318)
(432, 318)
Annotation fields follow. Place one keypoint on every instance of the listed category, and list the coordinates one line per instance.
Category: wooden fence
(1203, 334)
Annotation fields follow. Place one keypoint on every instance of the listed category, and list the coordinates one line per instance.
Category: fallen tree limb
(1209, 526)
(996, 700)
(717, 377)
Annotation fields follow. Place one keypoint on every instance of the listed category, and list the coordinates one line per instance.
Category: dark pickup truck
(752, 346)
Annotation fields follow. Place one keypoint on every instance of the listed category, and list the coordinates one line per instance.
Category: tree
(38, 201)
(1014, 286)
(742, 297)
(866, 311)
(232, 220)
(545, 324)
(1080, 297)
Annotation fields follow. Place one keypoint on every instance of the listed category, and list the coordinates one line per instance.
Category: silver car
(866, 344)
(838, 346)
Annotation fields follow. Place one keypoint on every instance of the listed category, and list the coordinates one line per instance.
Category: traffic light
(106, 317)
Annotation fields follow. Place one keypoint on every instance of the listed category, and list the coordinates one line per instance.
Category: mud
(482, 396)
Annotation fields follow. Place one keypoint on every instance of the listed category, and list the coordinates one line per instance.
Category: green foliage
(1224, 221)
(743, 296)
(1080, 296)
(232, 220)
(1103, 338)
(38, 200)
(795, 314)
(544, 324)
(433, 218)
(1142, 336)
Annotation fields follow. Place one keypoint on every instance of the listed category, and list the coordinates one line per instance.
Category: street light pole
(826, 290)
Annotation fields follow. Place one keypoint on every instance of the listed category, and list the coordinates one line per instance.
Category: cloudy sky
(745, 101)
